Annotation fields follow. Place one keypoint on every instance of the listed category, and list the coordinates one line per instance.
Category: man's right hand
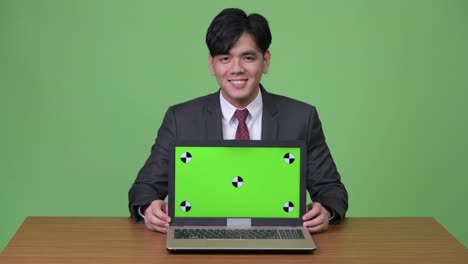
(156, 218)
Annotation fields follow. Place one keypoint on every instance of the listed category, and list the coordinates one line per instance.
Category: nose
(237, 66)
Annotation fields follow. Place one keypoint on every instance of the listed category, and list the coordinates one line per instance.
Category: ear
(266, 62)
(210, 63)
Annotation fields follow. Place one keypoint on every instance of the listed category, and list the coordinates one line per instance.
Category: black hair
(227, 27)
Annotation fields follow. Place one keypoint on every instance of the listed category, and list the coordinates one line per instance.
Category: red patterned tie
(242, 131)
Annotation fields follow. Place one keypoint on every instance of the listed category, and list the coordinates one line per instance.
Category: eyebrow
(245, 53)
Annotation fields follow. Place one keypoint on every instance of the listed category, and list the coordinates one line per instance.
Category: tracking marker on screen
(185, 206)
(237, 181)
(289, 158)
(186, 157)
(288, 207)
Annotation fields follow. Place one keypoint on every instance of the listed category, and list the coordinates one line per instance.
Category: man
(241, 109)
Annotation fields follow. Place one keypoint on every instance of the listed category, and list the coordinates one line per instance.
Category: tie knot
(241, 115)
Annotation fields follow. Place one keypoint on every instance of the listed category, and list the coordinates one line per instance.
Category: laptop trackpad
(246, 222)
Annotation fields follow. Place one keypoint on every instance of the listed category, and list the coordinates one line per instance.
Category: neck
(243, 102)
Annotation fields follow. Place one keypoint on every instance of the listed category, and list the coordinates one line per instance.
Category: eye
(249, 58)
(224, 59)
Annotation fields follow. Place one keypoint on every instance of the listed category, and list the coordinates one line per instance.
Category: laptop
(235, 195)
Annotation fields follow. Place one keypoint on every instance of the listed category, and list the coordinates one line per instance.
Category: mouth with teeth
(238, 83)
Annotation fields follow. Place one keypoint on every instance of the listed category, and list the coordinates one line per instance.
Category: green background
(85, 85)
(206, 182)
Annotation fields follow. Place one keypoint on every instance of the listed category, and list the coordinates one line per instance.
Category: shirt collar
(255, 107)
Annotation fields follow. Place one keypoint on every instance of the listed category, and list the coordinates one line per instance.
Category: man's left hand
(317, 217)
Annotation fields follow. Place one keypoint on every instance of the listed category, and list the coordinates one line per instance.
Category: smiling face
(239, 72)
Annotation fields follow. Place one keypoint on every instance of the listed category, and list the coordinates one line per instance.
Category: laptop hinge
(239, 222)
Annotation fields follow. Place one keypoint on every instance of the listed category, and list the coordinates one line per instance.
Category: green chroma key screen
(249, 182)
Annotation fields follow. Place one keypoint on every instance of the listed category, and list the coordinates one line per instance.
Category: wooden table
(119, 240)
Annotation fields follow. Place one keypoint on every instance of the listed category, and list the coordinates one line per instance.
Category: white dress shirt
(253, 121)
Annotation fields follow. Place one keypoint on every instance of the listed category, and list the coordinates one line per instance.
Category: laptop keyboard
(238, 234)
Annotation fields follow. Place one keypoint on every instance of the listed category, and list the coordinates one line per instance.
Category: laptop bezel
(222, 221)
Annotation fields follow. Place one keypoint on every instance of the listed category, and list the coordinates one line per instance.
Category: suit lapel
(213, 116)
(269, 117)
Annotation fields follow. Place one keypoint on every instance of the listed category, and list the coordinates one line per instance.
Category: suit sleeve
(323, 180)
(152, 180)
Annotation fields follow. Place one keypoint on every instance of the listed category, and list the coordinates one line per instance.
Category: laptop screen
(236, 180)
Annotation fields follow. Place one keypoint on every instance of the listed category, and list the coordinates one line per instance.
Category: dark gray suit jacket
(283, 119)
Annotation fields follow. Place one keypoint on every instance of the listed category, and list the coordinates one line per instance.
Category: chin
(240, 97)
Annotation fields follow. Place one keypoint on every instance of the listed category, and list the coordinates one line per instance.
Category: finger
(155, 228)
(322, 217)
(316, 221)
(155, 224)
(154, 219)
(318, 229)
(314, 227)
(308, 216)
(313, 212)
(157, 208)
(162, 215)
